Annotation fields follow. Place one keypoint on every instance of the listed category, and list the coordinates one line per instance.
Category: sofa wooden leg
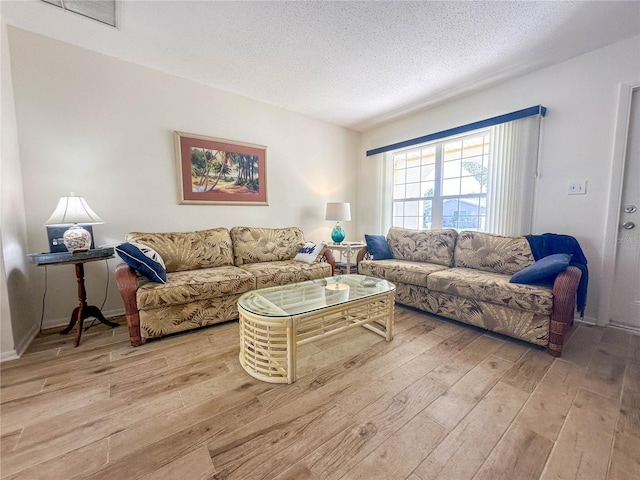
(133, 322)
(556, 338)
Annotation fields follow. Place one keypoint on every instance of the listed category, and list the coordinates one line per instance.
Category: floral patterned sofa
(465, 276)
(207, 271)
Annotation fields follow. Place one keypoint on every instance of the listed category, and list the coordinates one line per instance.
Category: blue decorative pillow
(143, 259)
(543, 269)
(378, 247)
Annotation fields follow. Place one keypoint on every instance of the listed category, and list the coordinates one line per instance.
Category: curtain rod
(489, 122)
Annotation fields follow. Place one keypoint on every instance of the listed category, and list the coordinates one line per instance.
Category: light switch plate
(577, 187)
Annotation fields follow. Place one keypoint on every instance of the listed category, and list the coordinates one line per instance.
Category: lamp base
(77, 239)
(337, 234)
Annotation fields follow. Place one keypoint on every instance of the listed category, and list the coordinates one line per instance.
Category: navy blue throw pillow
(143, 259)
(378, 247)
(540, 270)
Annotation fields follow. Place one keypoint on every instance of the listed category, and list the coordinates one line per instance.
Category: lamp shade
(73, 209)
(338, 211)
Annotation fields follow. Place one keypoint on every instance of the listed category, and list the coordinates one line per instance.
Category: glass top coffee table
(275, 321)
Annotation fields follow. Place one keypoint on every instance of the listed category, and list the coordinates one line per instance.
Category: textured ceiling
(355, 64)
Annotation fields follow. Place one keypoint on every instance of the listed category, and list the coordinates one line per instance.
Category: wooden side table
(82, 311)
(348, 249)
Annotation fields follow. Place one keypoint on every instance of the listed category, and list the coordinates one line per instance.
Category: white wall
(18, 316)
(577, 144)
(103, 128)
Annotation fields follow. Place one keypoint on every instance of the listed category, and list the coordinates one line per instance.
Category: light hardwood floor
(441, 401)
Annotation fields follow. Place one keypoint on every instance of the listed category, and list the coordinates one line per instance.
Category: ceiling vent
(103, 11)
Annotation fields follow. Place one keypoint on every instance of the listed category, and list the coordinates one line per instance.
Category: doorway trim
(612, 218)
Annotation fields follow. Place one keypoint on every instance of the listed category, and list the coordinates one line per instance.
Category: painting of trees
(213, 170)
(223, 170)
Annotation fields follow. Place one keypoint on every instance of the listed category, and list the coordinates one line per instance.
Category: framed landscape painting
(217, 171)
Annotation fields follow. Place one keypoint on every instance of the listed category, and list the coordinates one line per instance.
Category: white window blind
(504, 171)
(513, 165)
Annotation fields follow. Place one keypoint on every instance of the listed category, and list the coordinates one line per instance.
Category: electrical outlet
(577, 187)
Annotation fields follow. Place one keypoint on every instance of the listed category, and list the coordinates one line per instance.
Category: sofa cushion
(252, 244)
(195, 285)
(543, 270)
(378, 247)
(432, 246)
(310, 252)
(168, 319)
(493, 288)
(400, 271)
(144, 259)
(492, 253)
(517, 323)
(269, 274)
(182, 251)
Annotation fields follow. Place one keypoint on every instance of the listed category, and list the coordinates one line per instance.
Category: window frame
(438, 199)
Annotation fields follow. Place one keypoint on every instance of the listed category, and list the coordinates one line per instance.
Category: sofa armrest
(564, 305)
(362, 254)
(127, 281)
(327, 256)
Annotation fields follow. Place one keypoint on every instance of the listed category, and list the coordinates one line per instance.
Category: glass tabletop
(305, 297)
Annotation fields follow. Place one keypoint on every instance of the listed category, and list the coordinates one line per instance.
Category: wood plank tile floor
(441, 401)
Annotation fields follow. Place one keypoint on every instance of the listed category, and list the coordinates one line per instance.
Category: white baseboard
(6, 356)
(626, 328)
(587, 320)
(21, 347)
(50, 323)
(63, 322)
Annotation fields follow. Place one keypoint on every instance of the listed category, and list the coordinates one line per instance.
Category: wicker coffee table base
(268, 345)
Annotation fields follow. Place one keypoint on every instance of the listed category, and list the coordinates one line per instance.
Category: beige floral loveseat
(465, 276)
(207, 271)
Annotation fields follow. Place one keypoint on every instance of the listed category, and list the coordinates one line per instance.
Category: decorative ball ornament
(77, 239)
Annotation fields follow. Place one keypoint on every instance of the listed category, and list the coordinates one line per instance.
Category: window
(442, 184)
(478, 176)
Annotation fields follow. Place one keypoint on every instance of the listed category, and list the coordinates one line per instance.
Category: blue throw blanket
(551, 243)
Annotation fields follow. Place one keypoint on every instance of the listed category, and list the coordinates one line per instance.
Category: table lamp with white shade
(74, 210)
(338, 212)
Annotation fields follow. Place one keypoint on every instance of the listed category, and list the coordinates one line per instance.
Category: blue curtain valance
(489, 122)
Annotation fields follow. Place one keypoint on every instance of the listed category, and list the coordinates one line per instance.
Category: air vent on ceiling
(104, 11)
